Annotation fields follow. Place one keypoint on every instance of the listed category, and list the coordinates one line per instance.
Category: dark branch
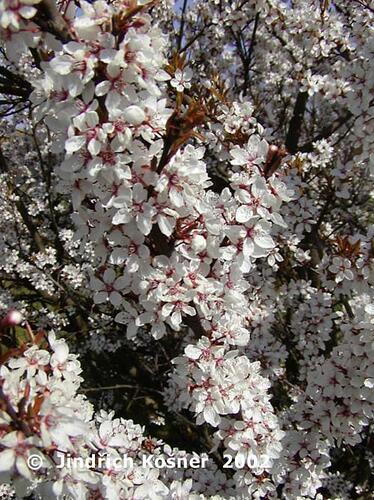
(326, 132)
(49, 18)
(13, 84)
(181, 27)
(294, 129)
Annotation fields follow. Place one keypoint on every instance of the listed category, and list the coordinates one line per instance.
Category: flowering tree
(186, 204)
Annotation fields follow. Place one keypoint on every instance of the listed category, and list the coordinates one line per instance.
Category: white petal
(61, 65)
(192, 352)
(115, 298)
(198, 243)
(264, 241)
(96, 284)
(121, 217)
(109, 275)
(94, 147)
(131, 330)
(100, 297)
(22, 467)
(211, 416)
(176, 197)
(240, 156)
(122, 282)
(176, 319)
(27, 12)
(61, 352)
(10, 440)
(7, 459)
(102, 88)
(369, 308)
(144, 224)
(75, 143)
(243, 214)
(167, 309)
(166, 224)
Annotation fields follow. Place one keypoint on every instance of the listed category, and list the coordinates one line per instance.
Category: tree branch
(326, 132)
(294, 129)
(13, 84)
(181, 27)
(50, 19)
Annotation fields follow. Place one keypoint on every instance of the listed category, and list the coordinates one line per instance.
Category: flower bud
(198, 243)
(134, 115)
(12, 318)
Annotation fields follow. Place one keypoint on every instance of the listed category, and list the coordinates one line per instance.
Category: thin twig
(119, 386)
(181, 27)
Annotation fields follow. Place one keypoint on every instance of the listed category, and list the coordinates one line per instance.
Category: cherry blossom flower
(109, 287)
(181, 79)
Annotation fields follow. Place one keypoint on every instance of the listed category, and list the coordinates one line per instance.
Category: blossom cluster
(44, 418)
